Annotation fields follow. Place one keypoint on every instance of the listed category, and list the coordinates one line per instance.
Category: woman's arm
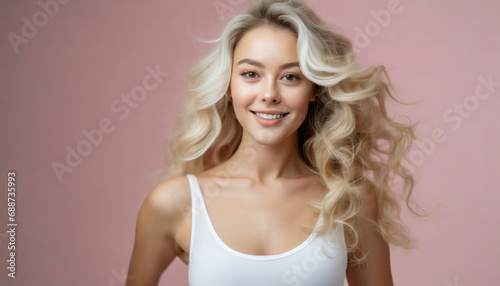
(376, 269)
(154, 245)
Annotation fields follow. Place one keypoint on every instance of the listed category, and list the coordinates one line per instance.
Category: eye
(291, 76)
(251, 73)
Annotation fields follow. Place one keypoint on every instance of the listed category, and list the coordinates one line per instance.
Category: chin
(268, 137)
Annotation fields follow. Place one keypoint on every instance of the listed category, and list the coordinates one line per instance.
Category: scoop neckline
(251, 256)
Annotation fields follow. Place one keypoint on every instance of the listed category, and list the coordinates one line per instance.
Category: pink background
(79, 230)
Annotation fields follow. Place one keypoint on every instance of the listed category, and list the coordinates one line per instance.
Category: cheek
(241, 99)
(241, 93)
(300, 100)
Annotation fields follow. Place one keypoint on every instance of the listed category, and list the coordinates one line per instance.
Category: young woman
(282, 163)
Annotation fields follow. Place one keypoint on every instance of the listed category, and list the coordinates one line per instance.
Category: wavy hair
(347, 138)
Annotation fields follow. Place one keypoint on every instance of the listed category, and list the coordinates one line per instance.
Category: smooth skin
(259, 81)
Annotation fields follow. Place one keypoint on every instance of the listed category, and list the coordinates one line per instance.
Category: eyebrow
(260, 65)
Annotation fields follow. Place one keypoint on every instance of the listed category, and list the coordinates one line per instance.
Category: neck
(266, 163)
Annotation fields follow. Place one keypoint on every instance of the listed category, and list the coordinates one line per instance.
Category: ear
(315, 93)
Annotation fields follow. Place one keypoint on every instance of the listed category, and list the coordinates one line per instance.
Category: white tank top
(213, 263)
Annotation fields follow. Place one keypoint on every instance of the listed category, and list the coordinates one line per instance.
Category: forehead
(266, 43)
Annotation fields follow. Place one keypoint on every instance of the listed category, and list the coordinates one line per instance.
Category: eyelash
(292, 74)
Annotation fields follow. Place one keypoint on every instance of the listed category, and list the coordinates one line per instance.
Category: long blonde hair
(342, 139)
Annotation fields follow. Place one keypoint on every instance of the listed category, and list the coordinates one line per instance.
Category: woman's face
(266, 77)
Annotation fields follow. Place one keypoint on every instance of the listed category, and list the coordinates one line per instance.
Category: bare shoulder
(369, 207)
(366, 219)
(168, 201)
(376, 269)
(157, 222)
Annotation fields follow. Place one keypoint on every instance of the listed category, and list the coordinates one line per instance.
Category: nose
(271, 93)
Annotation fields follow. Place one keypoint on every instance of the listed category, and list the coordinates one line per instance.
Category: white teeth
(269, 116)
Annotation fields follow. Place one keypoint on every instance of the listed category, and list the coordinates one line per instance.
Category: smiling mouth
(270, 116)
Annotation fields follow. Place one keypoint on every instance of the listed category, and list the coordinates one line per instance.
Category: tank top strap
(197, 203)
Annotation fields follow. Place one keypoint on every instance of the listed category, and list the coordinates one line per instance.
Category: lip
(269, 111)
(268, 122)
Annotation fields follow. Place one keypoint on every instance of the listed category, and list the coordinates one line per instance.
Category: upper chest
(256, 220)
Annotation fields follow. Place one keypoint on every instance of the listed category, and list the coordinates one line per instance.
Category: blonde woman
(282, 161)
